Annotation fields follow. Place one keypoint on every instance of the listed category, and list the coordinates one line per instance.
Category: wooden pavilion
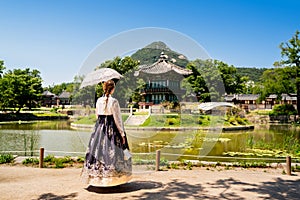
(162, 81)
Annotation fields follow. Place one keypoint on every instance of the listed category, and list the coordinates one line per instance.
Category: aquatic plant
(30, 142)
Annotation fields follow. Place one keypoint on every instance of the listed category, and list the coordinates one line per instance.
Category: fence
(158, 154)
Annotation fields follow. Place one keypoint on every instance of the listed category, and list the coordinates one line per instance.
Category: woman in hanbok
(105, 163)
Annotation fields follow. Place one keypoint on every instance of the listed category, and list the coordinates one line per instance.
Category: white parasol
(100, 75)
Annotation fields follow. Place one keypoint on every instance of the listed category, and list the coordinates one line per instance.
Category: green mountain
(253, 73)
(151, 53)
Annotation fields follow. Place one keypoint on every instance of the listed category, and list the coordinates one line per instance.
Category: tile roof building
(49, 99)
(162, 81)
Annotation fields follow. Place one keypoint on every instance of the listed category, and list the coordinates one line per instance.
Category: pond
(57, 138)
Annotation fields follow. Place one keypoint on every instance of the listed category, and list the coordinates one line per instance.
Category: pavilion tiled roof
(163, 66)
(289, 97)
(248, 97)
(48, 93)
(230, 97)
(64, 95)
(272, 96)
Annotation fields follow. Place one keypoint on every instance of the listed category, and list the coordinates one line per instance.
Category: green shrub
(30, 160)
(174, 166)
(189, 166)
(6, 158)
(163, 162)
(54, 109)
(49, 158)
(59, 163)
(241, 121)
(202, 116)
(245, 164)
(204, 120)
(171, 121)
(67, 159)
(232, 120)
(283, 109)
(80, 160)
(172, 116)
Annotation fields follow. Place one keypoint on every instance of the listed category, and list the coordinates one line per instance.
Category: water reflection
(56, 137)
(37, 125)
(25, 142)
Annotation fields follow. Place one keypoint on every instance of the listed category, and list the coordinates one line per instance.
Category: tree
(129, 84)
(84, 96)
(277, 81)
(21, 88)
(234, 83)
(253, 73)
(195, 83)
(58, 89)
(290, 52)
(2, 68)
(121, 65)
(212, 78)
(205, 81)
(126, 86)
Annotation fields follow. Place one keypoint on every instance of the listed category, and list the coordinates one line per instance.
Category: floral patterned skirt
(104, 163)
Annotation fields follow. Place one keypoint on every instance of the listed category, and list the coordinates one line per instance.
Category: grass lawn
(188, 120)
(91, 119)
(177, 120)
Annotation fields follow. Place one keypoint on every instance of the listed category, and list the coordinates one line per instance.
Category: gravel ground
(19, 182)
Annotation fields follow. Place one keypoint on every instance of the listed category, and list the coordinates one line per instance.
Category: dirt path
(19, 182)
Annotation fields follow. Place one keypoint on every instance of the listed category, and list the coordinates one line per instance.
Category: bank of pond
(32, 116)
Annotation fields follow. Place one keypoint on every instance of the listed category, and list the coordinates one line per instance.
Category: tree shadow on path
(224, 189)
(278, 189)
(172, 190)
(229, 188)
(57, 197)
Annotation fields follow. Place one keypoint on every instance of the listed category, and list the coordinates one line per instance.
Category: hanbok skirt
(105, 164)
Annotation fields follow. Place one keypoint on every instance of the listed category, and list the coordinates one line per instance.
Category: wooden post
(157, 160)
(41, 164)
(288, 165)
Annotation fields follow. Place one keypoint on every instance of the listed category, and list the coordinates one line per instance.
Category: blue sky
(56, 36)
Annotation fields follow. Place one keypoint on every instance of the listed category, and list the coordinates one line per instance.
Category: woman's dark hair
(108, 86)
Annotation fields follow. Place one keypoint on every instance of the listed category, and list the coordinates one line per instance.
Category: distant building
(49, 99)
(251, 101)
(162, 81)
(270, 101)
(246, 101)
(64, 98)
(231, 98)
(289, 99)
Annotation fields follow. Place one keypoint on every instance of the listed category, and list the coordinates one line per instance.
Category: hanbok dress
(105, 163)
